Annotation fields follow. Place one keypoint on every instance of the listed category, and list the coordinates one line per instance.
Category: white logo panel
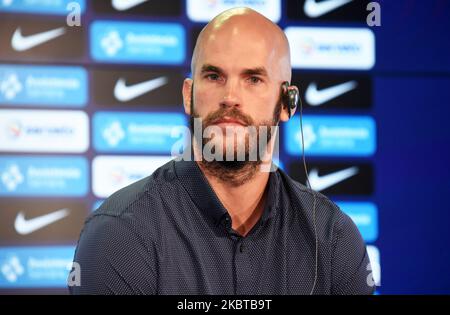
(331, 48)
(111, 173)
(64, 131)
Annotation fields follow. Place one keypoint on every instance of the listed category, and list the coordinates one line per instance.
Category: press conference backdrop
(86, 110)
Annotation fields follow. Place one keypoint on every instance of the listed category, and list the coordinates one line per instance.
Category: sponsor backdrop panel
(86, 110)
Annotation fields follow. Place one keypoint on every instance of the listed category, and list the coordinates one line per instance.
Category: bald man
(212, 223)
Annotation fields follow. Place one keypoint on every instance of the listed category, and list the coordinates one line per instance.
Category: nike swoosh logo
(123, 5)
(125, 93)
(319, 183)
(314, 9)
(25, 227)
(22, 43)
(314, 97)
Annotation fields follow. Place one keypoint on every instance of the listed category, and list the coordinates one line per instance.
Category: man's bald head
(244, 24)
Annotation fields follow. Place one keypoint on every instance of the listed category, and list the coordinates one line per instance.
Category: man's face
(236, 85)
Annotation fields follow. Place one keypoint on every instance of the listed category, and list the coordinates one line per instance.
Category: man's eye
(212, 76)
(255, 80)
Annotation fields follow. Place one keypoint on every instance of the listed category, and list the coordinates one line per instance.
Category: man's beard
(235, 172)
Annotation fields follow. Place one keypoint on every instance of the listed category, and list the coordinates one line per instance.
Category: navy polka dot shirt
(169, 234)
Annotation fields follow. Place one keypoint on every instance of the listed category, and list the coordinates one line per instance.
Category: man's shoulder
(306, 198)
(145, 189)
(298, 190)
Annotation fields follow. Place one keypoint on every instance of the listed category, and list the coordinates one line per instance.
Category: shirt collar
(197, 186)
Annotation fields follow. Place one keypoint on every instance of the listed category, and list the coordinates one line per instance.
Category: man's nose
(231, 96)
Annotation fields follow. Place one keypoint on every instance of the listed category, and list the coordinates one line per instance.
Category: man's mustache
(233, 113)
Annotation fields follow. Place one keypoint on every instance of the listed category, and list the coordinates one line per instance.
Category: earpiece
(290, 97)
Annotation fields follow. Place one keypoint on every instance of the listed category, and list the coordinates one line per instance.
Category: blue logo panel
(137, 42)
(43, 176)
(59, 7)
(137, 132)
(332, 135)
(43, 85)
(29, 267)
(365, 216)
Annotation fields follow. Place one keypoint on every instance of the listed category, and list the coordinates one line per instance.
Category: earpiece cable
(314, 202)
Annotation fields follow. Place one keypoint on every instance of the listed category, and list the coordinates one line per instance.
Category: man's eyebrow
(211, 68)
(250, 71)
(255, 71)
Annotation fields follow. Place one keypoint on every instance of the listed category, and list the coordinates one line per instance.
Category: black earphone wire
(314, 202)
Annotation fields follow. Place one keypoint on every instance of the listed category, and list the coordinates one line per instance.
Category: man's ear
(187, 87)
(284, 115)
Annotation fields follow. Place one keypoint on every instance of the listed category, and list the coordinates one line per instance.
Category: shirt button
(241, 248)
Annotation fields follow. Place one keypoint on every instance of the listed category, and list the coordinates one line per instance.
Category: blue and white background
(86, 110)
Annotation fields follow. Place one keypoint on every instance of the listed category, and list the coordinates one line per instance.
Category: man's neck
(245, 203)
